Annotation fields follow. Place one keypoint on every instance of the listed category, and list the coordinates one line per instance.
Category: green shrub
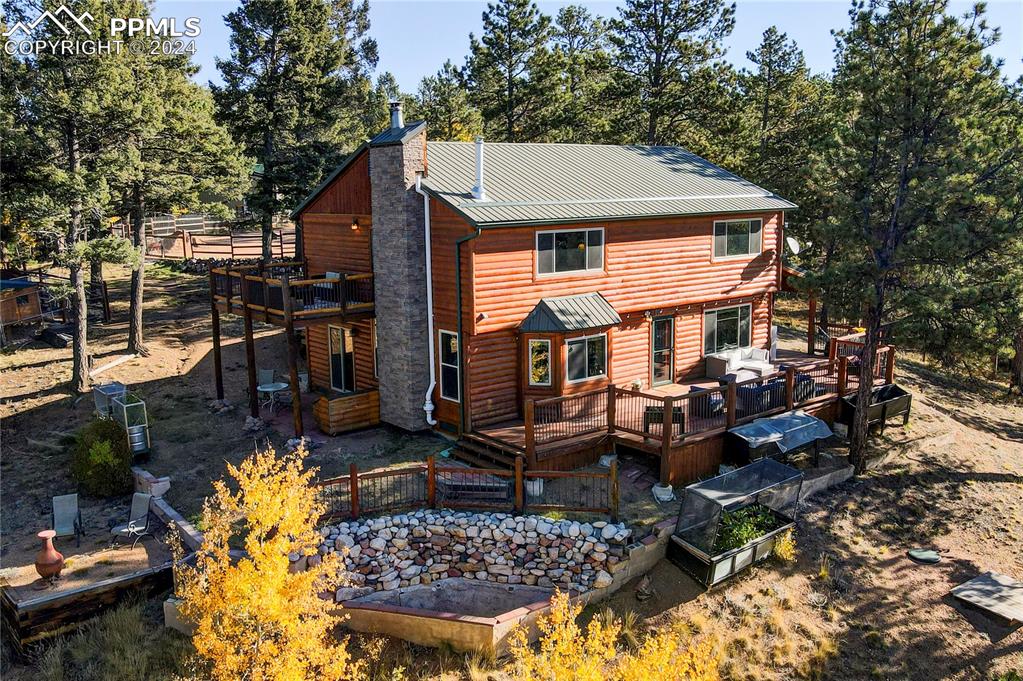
(101, 459)
(739, 528)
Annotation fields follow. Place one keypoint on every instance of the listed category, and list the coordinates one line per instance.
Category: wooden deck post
(667, 426)
(730, 405)
(889, 369)
(530, 436)
(250, 352)
(431, 481)
(811, 327)
(218, 367)
(353, 482)
(843, 374)
(790, 388)
(611, 408)
(519, 485)
(833, 348)
(613, 479)
(289, 331)
(106, 301)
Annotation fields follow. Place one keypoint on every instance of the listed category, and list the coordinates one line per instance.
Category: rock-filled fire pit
(392, 552)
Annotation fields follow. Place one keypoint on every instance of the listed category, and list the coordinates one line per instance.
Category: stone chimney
(399, 267)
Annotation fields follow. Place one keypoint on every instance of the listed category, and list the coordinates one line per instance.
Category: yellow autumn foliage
(254, 618)
(565, 652)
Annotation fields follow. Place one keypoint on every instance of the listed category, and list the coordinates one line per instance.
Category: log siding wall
(664, 266)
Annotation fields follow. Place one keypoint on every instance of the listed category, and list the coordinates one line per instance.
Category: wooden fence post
(250, 351)
(218, 367)
(530, 435)
(667, 426)
(289, 330)
(790, 388)
(353, 482)
(833, 348)
(519, 486)
(431, 481)
(843, 374)
(730, 404)
(613, 479)
(889, 369)
(611, 408)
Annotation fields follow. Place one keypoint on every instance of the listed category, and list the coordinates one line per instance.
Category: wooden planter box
(712, 570)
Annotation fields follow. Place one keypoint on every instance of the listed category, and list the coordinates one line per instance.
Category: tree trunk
(267, 225)
(269, 196)
(1016, 370)
(859, 432)
(96, 276)
(138, 212)
(79, 309)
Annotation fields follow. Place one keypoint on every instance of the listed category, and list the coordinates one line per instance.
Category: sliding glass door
(342, 359)
(662, 343)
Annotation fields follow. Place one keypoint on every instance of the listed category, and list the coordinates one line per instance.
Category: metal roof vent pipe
(478, 192)
(397, 120)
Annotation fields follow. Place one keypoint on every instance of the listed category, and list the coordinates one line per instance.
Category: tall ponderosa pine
(511, 74)
(294, 89)
(443, 103)
(669, 54)
(924, 159)
(788, 120)
(581, 45)
(73, 119)
(174, 155)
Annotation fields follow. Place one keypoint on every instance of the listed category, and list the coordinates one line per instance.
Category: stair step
(473, 460)
(502, 456)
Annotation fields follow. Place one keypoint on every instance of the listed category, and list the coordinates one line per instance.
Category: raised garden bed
(886, 401)
(732, 521)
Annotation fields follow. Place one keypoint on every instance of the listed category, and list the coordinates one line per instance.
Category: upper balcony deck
(274, 292)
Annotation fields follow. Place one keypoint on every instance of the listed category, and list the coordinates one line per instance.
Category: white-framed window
(727, 328)
(342, 359)
(575, 250)
(449, 366)
(737, 238)
(587, 358)
(539, 362)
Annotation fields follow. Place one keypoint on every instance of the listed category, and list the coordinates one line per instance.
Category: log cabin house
(546, 301)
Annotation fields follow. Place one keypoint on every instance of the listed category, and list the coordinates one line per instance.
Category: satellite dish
(793, 245)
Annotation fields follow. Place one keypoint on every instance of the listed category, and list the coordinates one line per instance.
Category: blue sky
(416, 37)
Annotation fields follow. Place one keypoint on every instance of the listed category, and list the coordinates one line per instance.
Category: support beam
(289, 331)
(250, 353)
(218, 365)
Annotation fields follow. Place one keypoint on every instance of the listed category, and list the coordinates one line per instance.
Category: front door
(342, 359)
(662, 341)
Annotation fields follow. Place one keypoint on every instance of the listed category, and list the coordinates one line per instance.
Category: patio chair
(67, 518)
(138, 520)
(264, 376)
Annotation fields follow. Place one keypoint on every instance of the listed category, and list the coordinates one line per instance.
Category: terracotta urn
(49, 561)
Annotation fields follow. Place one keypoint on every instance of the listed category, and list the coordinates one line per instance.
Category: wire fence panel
(336, 495)
(392, 489)
(475, 488)
(576, 491)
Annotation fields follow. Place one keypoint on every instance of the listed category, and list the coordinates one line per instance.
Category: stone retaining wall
(422, 547)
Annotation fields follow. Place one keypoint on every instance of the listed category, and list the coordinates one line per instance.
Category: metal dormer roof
(570, 313)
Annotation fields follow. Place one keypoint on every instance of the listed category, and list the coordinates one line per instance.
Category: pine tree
(173, 156)
(926, 146)
(581, 44)
(444, 104)
(668, 57)
(74, 118)
(294, 89)
(511, 74)
(788, 121)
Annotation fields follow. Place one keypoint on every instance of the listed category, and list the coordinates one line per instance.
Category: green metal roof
(552, 183)
(570, 313)
(393, 136)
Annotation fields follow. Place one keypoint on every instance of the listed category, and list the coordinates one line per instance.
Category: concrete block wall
(399, 266)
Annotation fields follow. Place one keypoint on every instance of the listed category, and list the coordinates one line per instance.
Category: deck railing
(554, 421)
(432, 485)
(262, 288)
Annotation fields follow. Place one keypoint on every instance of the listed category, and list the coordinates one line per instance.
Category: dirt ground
(850, 607)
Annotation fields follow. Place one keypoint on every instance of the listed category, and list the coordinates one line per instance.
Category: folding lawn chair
(67, 518)
(138, 520)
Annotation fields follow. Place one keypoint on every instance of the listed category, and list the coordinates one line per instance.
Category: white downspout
(428, 399)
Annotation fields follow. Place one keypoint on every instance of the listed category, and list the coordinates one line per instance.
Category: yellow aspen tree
(255, 619)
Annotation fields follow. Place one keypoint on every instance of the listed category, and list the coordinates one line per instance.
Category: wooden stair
(485, 452)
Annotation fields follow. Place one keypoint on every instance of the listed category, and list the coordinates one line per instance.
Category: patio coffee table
(268, 395)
